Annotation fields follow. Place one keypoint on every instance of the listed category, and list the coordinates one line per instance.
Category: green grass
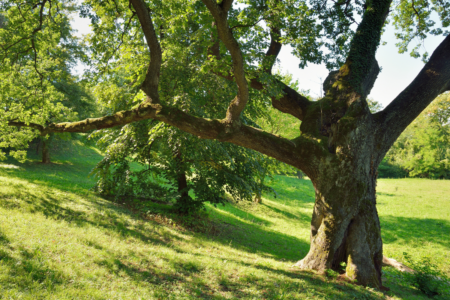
(58, 240)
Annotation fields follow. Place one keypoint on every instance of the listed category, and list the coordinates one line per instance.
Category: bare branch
(214, 50)
(151, 81)
(432, 80)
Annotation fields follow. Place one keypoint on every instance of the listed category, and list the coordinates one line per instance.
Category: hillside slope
(58, 240)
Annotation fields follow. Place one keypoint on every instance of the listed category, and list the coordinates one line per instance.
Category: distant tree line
(423, 149)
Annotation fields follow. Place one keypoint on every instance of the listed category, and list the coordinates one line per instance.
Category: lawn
(59, 240)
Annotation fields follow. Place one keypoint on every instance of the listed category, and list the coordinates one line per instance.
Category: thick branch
(356, 77)
(433, 80)
(151, 81)
(297, 153)
(226, 5)
(220, 15)
(290, 103)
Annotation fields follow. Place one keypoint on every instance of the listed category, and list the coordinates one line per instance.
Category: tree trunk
(37, 146)
(185, 204)
(345, 226)
(258, 198)
(45, 152)
(182, 183)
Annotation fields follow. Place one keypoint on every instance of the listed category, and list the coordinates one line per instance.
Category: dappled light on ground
(58, 240)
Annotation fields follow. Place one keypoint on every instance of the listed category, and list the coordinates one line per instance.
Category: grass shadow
(70, 210)
(26, 268)
(55, 173)
(284, 213)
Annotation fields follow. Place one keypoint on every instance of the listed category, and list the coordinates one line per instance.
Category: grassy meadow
(59, 240)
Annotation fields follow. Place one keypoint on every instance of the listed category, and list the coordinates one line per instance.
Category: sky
(398, 70)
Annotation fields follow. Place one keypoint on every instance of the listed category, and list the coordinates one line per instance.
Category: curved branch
(273, 51)
(151, 81)
(220, 14)
(291, 102)
(432, 80)
(293, 152)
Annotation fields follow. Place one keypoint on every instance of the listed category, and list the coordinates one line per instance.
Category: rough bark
(433, 80)
(345, 225)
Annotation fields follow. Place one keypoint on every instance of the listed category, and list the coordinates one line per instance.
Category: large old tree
(161, 44)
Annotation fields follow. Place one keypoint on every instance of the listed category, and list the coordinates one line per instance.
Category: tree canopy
(176, 57)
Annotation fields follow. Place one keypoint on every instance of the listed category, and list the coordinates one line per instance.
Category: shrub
(389, 170)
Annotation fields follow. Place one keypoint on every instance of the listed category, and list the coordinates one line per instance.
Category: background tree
(340, 143)
(39, 76)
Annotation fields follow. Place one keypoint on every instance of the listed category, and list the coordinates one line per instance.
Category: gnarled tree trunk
(345, 225)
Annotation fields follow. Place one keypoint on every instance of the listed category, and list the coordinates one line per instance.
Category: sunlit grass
(58, 240)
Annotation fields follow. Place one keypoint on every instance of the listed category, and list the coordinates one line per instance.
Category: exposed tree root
(398, 265)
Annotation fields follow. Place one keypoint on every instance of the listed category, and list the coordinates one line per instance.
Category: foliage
(423, 149)
(162, 152)
(37, 77)
(427, 277)
(389, 170)
(374, 105)
(168, 156)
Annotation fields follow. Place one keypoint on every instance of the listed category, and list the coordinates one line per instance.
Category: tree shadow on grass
(415, 230)
(26, 269)
(292, 191)
(101, 213)
(243, 234)
(188, 274)
(292, 216)
(55, 174)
